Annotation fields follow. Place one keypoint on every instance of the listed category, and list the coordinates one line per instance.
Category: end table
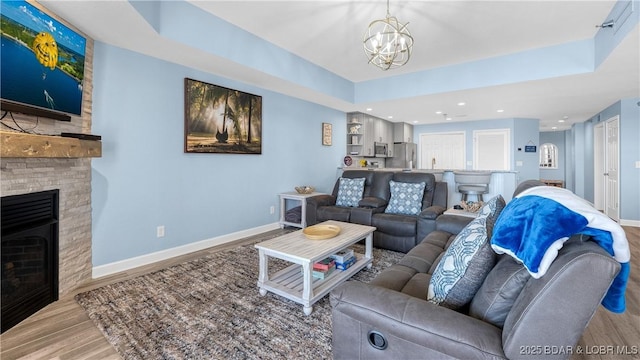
(295, 196)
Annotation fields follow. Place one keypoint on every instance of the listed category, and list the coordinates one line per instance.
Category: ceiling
(329, 35)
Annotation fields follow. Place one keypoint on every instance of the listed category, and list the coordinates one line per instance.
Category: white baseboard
(634, 223)
(127, 264)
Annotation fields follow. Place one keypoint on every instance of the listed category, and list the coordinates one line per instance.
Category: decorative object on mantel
(221, 120)
(387, 42)
(348, 160)
(305, 189)
(326, 134)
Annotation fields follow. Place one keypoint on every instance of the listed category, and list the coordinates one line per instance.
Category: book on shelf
(322, 274)
(342, 255)
(346, 264)
(324, 264)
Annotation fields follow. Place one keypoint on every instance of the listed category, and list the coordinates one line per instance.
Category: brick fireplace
(46, 165)
(73, 179)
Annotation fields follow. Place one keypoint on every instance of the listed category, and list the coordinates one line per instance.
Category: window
(548, 156)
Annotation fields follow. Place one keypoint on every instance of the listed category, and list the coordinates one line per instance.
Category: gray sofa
(511, 316)
(397, 232)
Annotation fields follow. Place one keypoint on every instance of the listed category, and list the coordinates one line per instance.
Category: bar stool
(472, 183)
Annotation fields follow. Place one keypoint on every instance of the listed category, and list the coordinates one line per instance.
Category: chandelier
(387, 42)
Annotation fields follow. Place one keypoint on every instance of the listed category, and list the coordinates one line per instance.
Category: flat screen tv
(42, 63)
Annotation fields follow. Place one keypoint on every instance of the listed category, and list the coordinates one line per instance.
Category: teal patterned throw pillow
(350, 192)
(466, 262)
(406, 198)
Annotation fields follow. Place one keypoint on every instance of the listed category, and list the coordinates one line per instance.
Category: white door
(442, 150)
(612, 163)
(491, 149)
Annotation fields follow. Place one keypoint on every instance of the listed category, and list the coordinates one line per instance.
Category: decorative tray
(321, 232)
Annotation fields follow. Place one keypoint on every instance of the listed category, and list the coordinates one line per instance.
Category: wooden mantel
(20, 145)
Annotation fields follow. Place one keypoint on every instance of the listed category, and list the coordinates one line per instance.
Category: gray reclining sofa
(397, 232)
(511, 316)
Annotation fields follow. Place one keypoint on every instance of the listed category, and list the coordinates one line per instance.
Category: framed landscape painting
(221, 120)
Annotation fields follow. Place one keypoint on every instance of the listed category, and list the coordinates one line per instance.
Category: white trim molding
(134, 262)
(634, 223)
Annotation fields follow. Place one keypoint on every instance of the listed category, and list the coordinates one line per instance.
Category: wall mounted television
(42, 63)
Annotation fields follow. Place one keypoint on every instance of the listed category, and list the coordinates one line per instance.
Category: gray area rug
(210, 308)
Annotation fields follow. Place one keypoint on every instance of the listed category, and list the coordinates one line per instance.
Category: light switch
(637, 164)
(519, 163)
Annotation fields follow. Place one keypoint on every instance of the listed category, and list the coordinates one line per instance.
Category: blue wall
(526, 132)
(144, 178)
(556, 138)
(629, 155)
(582, 155)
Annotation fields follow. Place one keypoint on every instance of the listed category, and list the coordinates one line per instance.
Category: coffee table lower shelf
(289, 282)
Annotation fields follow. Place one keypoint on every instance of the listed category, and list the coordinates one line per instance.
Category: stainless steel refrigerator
(404, 156)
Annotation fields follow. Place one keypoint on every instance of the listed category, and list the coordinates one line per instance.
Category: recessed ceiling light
(561, 120)
(554, 127)
(438, 112)
(500, 110)
(369, 109)
(447, 118)
(389, 117)
(462, 103)
(415, 121)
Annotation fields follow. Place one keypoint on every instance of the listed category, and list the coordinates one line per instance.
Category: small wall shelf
(20, 145)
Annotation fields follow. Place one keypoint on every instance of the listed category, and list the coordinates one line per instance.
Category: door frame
(602, 194)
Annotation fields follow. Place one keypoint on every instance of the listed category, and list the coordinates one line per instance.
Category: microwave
(381, 149)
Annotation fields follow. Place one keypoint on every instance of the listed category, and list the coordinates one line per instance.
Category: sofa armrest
(412, 327)
(313, 203)
(452, 223)
(427, 221)
(432, 212)
(321, 200)
(372, 202)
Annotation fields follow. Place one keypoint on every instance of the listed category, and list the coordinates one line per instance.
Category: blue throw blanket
(537, 222)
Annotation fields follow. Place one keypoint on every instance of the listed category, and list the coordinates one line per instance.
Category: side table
(294, 196)
(453, 211)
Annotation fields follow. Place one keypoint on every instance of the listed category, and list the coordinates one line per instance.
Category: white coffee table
(296, 281)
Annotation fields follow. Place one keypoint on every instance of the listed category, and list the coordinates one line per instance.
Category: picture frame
(326, 134)
(221, 120)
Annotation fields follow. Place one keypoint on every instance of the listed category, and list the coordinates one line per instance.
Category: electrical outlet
(160, 231)
(637, 164)
(272, 210)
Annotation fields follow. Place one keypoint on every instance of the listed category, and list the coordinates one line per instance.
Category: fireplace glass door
(29, 255)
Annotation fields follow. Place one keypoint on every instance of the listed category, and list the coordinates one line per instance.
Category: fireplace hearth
(29, 254)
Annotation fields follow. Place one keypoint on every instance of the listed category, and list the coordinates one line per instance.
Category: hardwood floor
(62, 330)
